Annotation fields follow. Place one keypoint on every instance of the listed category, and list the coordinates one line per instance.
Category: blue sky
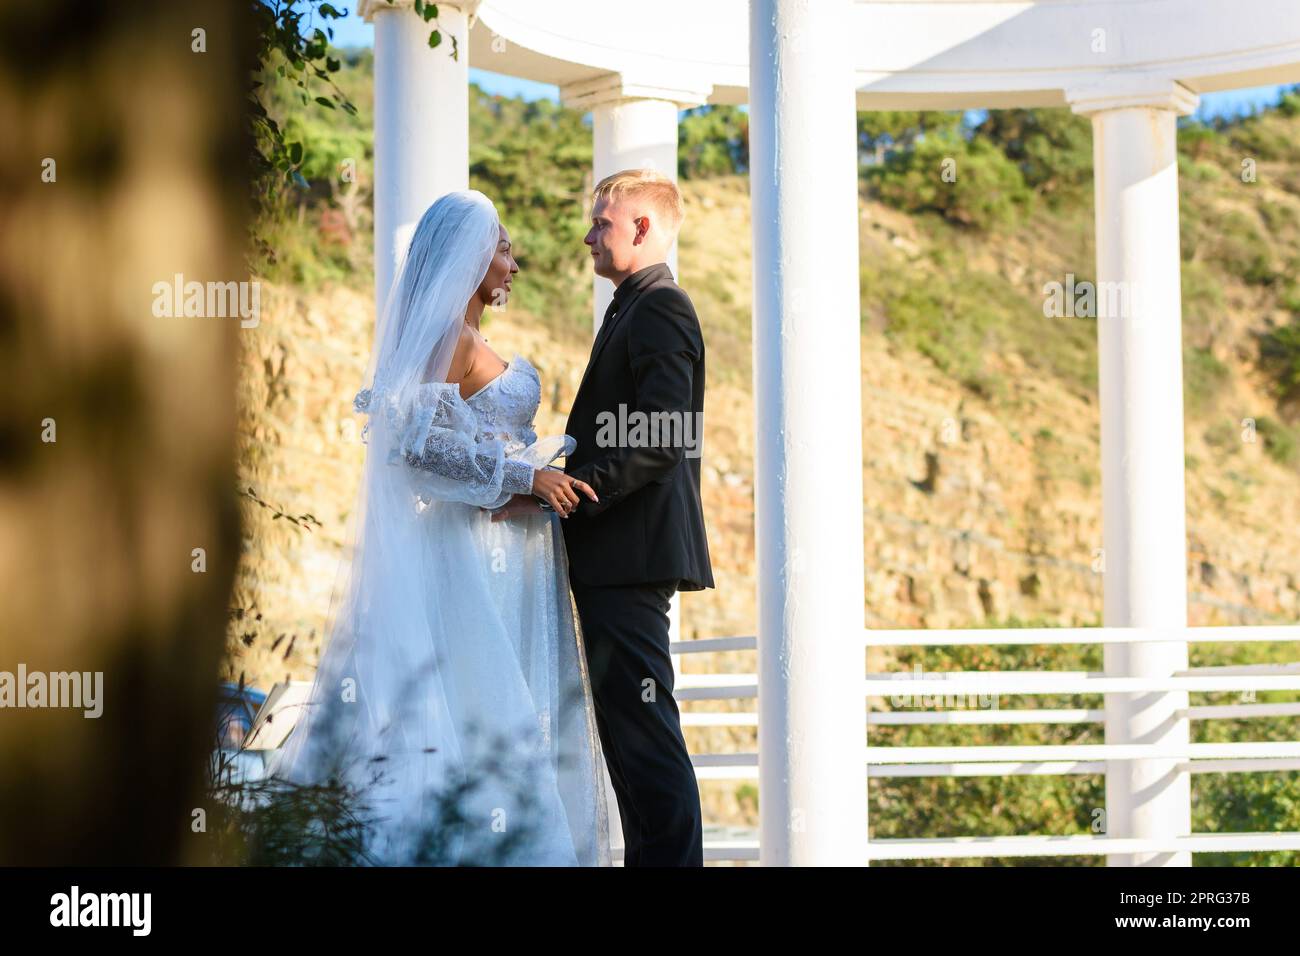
(353, 31)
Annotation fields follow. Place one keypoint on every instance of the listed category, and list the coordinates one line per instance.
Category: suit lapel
(603, 336)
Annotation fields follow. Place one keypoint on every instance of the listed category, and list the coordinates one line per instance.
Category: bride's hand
(517, 505)
(560, 490)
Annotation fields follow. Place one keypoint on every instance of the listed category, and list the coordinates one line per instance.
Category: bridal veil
(418, 700)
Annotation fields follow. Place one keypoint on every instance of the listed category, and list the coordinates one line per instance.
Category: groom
(644, 538)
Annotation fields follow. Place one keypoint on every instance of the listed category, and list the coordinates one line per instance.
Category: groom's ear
(642, 227)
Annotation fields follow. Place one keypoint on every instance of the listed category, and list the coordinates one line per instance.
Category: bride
(453, 689)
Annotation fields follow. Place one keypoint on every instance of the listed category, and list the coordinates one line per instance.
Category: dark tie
(605, 322)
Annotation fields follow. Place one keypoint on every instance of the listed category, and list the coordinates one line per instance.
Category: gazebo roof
(947, 54)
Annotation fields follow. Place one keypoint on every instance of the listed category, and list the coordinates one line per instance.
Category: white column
(808, 467)
(421, 123)
(1139, 328)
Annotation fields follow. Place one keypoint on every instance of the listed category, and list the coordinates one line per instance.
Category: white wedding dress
(460, 672)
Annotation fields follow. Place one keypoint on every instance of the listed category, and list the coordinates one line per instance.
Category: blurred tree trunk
(100, 525)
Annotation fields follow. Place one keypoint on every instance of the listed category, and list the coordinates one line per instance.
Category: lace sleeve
(439, 442)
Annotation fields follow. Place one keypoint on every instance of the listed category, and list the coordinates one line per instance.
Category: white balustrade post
(421, 123)
(808, 459)
(1139, 327)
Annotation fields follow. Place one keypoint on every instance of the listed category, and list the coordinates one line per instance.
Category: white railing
(969, 761)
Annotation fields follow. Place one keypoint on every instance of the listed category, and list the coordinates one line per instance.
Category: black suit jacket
(648, 526)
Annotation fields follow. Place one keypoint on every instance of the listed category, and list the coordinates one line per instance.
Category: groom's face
(615, 231)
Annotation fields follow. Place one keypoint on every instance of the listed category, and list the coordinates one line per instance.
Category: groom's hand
(517, 505)
(560, 491)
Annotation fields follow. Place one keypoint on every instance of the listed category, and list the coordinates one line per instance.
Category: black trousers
(625, 631)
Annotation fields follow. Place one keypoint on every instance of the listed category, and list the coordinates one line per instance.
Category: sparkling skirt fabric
(453, 690)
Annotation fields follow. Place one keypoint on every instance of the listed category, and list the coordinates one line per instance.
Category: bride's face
(494, 290)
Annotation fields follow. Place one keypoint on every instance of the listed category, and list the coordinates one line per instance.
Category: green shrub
(1190, 170)
(1204, 377)
(533, 159)
(1242, 250)
(967, 182)
(1279, 441)
(1199, 141)
(1289, 297)
(1267, 136)
(331, 821)
(1202, 299)
(713, 141)
(1280, 217)
(1051, 147)
(1279, 355)
(1225, 436)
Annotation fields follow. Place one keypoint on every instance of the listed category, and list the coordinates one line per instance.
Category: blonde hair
(652, 187)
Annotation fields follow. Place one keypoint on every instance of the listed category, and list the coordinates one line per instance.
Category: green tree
(713, 141)
(967, 182)
(1051, 147)
(1279, 354)
(534, 160)
(882, 130)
